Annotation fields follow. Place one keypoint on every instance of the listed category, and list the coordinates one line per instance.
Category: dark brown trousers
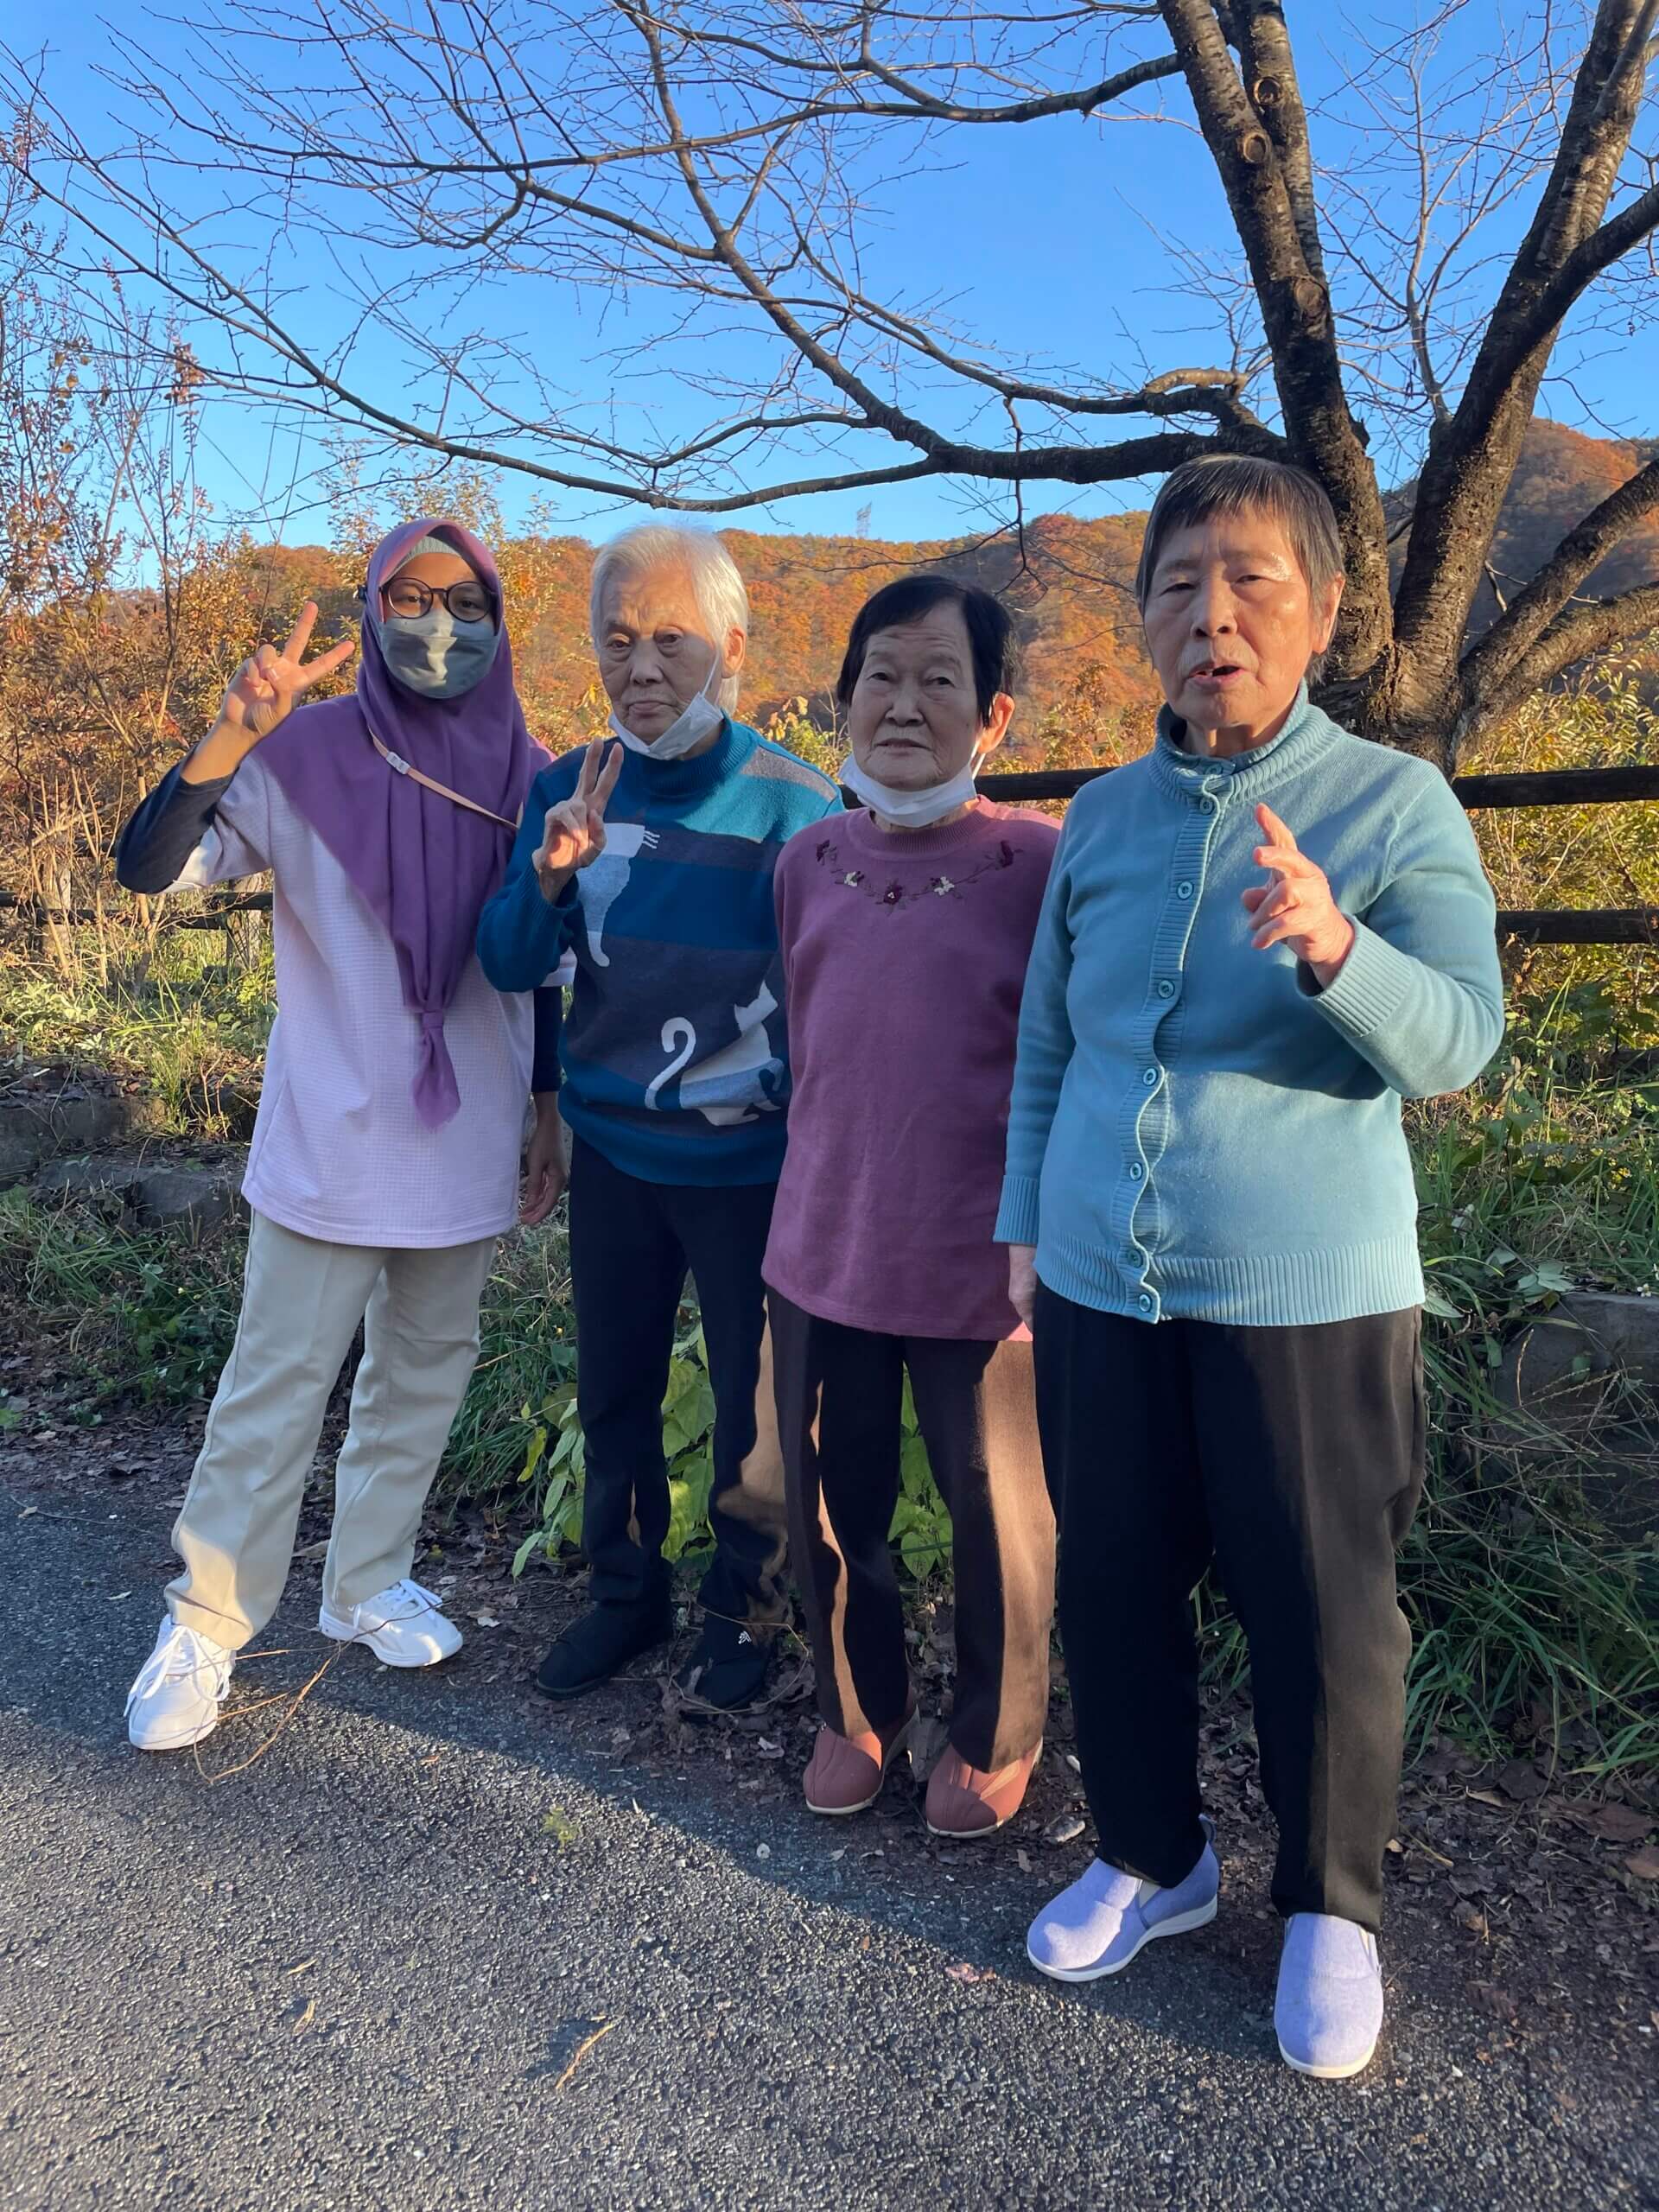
(840, 1394)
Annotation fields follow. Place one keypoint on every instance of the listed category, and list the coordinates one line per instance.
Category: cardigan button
(1150, 1078)
(1136, 1172)
(1183, 891)
(1145, 1301)
(1166, 989)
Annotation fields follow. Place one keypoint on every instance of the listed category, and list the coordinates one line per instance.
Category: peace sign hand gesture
(265, 687)
(573, 834)
(1295, 907)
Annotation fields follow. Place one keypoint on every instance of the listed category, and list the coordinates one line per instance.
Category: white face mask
(912, 810)
(695, 724)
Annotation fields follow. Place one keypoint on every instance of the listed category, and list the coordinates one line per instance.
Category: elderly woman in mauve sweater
(905, 929)
(1258, 938)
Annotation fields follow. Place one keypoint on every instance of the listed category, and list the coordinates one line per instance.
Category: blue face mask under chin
(434, 654)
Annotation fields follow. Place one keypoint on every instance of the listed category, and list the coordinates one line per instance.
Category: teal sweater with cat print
(676, 1061)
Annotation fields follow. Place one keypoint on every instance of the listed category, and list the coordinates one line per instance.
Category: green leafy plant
(150, 1315)
(554, 1455)
(555, 1464)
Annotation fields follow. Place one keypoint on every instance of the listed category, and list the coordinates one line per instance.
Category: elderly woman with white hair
(654, 869)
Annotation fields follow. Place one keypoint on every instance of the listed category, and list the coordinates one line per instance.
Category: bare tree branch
(1494, 657)
(1471, 458)
(1592, 628)
(1295, 305)
(320, 187)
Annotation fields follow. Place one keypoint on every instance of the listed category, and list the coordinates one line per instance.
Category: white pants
(302, 1301)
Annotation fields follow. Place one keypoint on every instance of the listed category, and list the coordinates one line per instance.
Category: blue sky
(1048, 240)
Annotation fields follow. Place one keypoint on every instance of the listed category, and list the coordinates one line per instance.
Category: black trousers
(839, 1392)
(631, 1245)
(1295, 1457)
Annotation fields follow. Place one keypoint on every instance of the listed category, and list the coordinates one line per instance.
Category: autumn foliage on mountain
(1086, 684)
(102, 686)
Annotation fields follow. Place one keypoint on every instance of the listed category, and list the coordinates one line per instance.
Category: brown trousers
(839, 1394)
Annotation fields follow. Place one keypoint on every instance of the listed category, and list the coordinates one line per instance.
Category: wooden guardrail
(1531, 787)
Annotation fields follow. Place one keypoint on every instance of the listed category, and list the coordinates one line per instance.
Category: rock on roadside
(195, 1195)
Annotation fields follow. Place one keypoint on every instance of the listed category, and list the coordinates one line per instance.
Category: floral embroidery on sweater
(892, 892)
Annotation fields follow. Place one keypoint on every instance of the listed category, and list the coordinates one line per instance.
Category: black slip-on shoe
(600, 1644)
(730, 1666)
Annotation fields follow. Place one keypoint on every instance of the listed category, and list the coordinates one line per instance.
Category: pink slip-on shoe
(965, 1800)
(845, 1773)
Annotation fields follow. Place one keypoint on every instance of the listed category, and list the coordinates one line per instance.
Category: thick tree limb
(1271, 83)
(1295, 304)
(1594, 627)
(1471, 458)
(1530, 613)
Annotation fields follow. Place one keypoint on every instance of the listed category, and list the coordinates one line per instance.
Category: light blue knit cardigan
(1197, 1129)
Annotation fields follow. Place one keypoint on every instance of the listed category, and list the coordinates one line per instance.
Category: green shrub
(147, 1314)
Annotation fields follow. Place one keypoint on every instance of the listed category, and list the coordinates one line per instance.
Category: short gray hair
(722, 599)
(1233, 484)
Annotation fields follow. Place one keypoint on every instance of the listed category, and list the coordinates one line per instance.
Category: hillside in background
(1561, 476)
(1069, 582)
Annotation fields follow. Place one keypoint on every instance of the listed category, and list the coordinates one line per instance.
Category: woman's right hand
(1022, 1281)
(573, 832)
(262, 692)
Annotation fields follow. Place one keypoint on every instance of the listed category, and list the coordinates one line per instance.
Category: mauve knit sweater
(904, 959)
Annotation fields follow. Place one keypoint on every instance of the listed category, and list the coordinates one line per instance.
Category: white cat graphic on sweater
(733, 1084)
(602, 880)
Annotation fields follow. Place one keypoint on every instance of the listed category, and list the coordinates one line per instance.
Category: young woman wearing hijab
(384, 1160)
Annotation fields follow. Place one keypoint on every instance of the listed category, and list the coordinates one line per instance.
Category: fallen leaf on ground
(1498, 2001)
(927, 1741)
(1024, 1861)
(306, 2018)
(1066, 1830)
(962, 1972)
(557, 1823)
(1621, 1823)
(1644, 1864)
(1522, 1781)
(486, 1620)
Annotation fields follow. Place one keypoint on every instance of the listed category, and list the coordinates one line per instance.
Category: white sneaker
(405, 1625)
(176, 1701)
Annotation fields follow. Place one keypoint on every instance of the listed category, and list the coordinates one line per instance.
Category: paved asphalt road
(354, 1976)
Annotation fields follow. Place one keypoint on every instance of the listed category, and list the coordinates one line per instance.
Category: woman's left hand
(1294, 907)
(545, 1174)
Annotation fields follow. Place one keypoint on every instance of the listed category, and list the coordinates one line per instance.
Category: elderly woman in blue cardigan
(1257, 939)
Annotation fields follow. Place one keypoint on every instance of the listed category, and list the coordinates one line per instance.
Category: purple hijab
(424, 864)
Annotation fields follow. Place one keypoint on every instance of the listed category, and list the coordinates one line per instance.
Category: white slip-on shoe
(1328, 2012)
(176, 1701)
(1107, 1917)
(405, 1626)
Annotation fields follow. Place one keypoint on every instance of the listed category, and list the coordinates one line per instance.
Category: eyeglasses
(467, 602)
